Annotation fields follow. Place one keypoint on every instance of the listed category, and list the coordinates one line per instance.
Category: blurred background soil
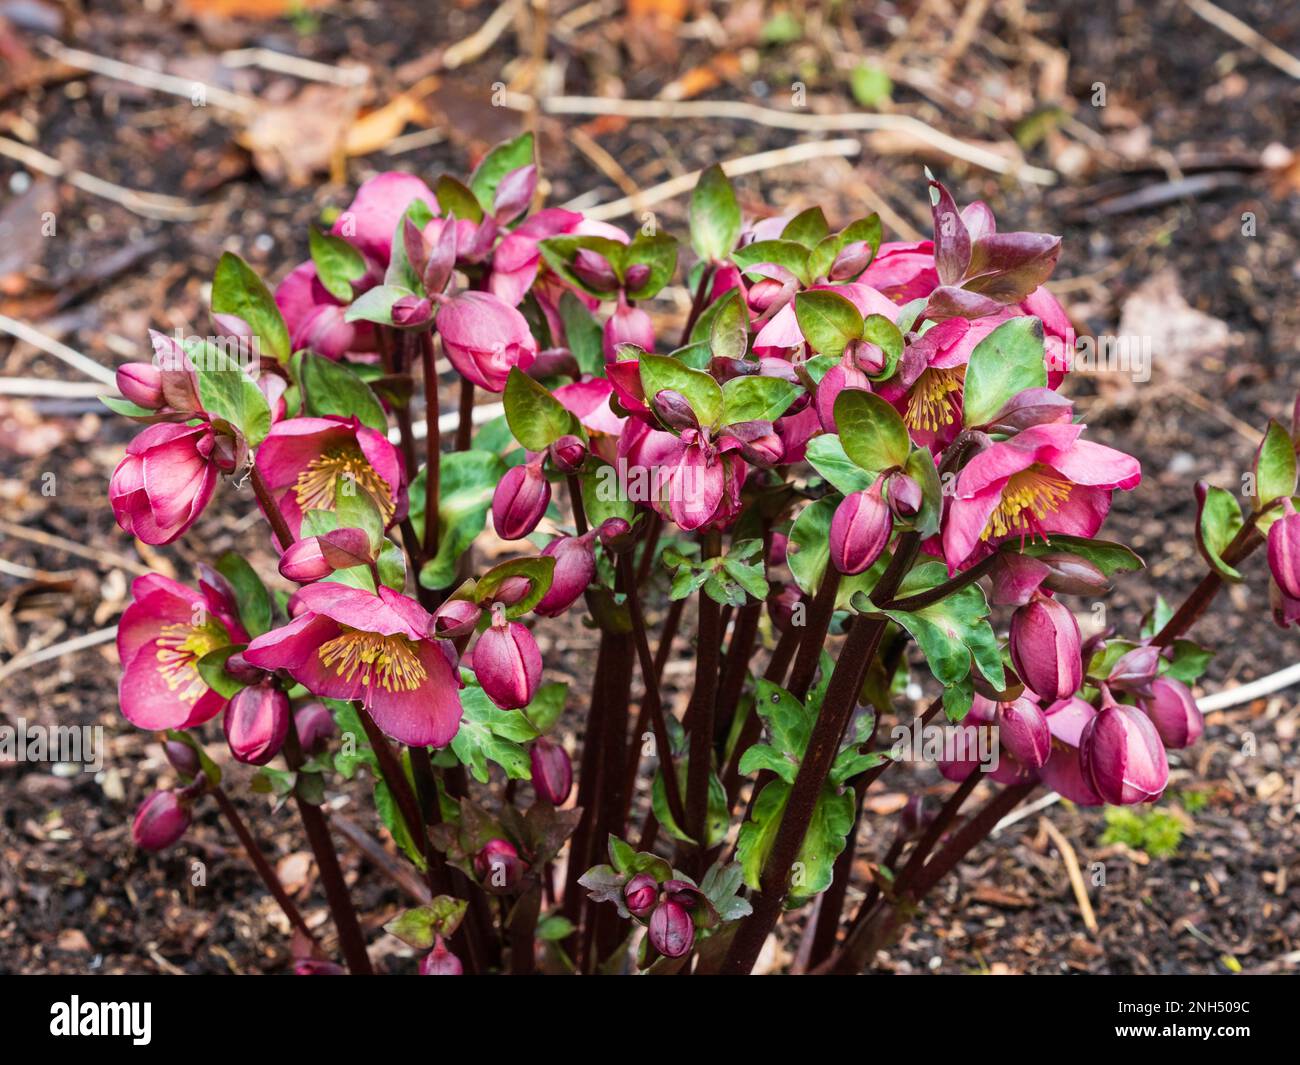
(140, 140)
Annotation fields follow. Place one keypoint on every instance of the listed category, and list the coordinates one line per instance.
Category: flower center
(1028, 497)
(388, 662)
(317, 486)
(179, 649)
(935, 400)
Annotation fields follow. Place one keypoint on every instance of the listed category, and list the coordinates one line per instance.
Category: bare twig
(57, 348)
(1244, 34)
(975, 154)
(745, 164)
(1072, 871)
(53, 388)
(62, 543)
(58, 650)
(483, 38)
(145, 204)
(307, 69)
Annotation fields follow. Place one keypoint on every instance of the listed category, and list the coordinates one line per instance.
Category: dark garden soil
(1178, 201)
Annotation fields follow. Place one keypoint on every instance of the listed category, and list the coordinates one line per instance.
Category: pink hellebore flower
(1063, 773)
(305, 460)
(517, 258)
(1122, 757)
(160, 821)
(627, 325)
(162, 635)
(316, 319)
(166, 479)
(485, 338)
(1042, 481)
(349, 643)
(371, 219)
(507, 663)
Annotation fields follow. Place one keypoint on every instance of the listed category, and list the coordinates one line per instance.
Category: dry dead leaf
(252, 9)
(380, 127)
(302, 137)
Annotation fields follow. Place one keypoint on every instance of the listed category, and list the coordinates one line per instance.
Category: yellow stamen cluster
(388, 662)
(1029, 496)
(179, 649)
(317, 485)
(935, 398)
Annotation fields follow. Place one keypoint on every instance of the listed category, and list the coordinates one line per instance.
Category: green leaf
(228, 393)
(536, 418)
(788, 722)
(457, 200)
(212, 668)
(921, 468)
(376, 304)
(1275, 466)
(559, 253)
(554, 928)
(502, 159)
(826, 455)
(488, 733)
(794, 257)
(237, 290)
(251, 597)
(1217, 525)
(871, 86)
(207, 766)
(872, 432)
(547, 706)
(468, 480)
(126, 408)
(721, 886)
(539, 570)
(827, 833)
(391, 817)
(659, 372)
(808, 227)
(761, 757)
(419, 927)
(715, 216)
(1110, 558)
(880, 331)
(828, 321)
(718, 811)
(729, 328)
(602, 498)
(330, 387)
(756, 399)
(1003, 364)
(338, 263)
(952, 631)
(583, 334)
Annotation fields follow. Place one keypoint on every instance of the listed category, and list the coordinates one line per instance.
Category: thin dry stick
(975, 154)
(58, 650)
(1244, 34)
(745, 164)
(37, 339)
(52, 388)
(62, 543)
(1072, 870)
(146, 204)
(149, 79)
(307, 69)
(483, 38)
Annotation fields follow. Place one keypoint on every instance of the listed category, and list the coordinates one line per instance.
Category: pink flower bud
(866, 356)
(160, 821)
(640, 894)
(256, 723)
(915, 817)
(1045, 648)
(410, 312)
(672, 932)
(777, 548)
(851, 261)
(440, 961)
(552, 771)
(317, 967)
(520, 501)
(1284, 550)
(763, 293)
(1072, 575)
(1122, 757)
(575, 566)
(860, 530)
(456, 618)
(1135, 670)
(1022, 729)
(782, 605)
(485, 338)
(183, 758)
(319, 556)
(615, 535)
(141, 383)
(757, 441)
(315, 725)
(243, 670)
(635, 276)
(568, 454)
(839, 377)
(903, 495)
(1174, 713)
(514, 193)
(628, 325)
(1033, 406)
(595, 271)
(499, 866)
(508, 664)
(674, 410)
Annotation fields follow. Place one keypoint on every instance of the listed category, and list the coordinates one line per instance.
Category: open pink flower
(162, 635)
(485, 338)
(517, 258)
(305, 460)
(1041, 481)
(166, 479)
(371, 219)
(349, 643)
